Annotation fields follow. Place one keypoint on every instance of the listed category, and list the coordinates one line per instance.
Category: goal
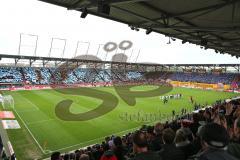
(7, 102)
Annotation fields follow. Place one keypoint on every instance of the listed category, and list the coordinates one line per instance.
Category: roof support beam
(92, 4)
(150, 20)
(209, 29)
(182, 20)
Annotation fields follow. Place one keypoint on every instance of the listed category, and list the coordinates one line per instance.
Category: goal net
(7, 101)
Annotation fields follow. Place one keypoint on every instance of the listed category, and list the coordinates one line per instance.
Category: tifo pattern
(45, 76)
(10, 75)
(32, 75)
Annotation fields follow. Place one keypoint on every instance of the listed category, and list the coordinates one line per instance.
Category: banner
(200, 85)
(10, 124)
(6, 114)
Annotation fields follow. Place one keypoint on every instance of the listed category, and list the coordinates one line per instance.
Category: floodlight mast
(99, 46)
(21, 43)
(76, 50)
(52, 44)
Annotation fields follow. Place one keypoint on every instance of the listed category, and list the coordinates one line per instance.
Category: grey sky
(47, 21)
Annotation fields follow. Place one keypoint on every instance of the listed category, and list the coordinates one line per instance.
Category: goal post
(7, 101)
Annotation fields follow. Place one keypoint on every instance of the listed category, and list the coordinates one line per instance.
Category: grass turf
(42, 132)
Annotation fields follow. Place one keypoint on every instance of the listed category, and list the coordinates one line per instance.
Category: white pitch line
(30, 132)
(28, 110)
(34, 105)
(36, 122)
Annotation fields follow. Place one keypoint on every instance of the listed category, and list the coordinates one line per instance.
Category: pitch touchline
(34, 105)
(30, 132)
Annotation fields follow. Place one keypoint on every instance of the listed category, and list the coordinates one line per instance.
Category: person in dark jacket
(56, 156)
(182, 142)
(140, 148)
(194, 126)
(234, 146)
(108, 153)
(150, 137)
(214, 141)
(118, 148)
(156, 141)
(169, 151)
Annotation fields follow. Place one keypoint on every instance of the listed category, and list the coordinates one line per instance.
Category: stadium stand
(10, 75)
(32, 75)
(206, 135)
(225, 78)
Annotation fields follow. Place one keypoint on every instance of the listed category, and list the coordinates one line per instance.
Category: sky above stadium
(50, 21)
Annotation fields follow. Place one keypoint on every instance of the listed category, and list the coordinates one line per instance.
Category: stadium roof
(212, 24)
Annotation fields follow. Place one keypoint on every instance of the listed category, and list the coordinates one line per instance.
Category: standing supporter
(84, 157)
(182, 142)
(214, 141)
(118, 148)
(140, 148)
(169, 151)
(108, 153)
(234, 146)
(56, 156)
(194, 126)
(150, 137)
(66, 157)
(157, 140)
(97, 152)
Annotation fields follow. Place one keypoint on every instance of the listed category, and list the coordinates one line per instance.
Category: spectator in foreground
(84, 157)
(169, 151)
(182, 142)
(156, 141)
(140, 148)
(108, 153)
(194, 126)
(118, 148)
(214, 141)
(150, 138)
(56, 156)
(234, 146)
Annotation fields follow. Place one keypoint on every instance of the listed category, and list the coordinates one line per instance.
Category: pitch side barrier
(78, 85)
(41, 87)
(205, 86)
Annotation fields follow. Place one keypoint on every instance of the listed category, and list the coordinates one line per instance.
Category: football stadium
(108, 103)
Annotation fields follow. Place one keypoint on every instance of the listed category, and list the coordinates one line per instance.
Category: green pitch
(42, 132)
